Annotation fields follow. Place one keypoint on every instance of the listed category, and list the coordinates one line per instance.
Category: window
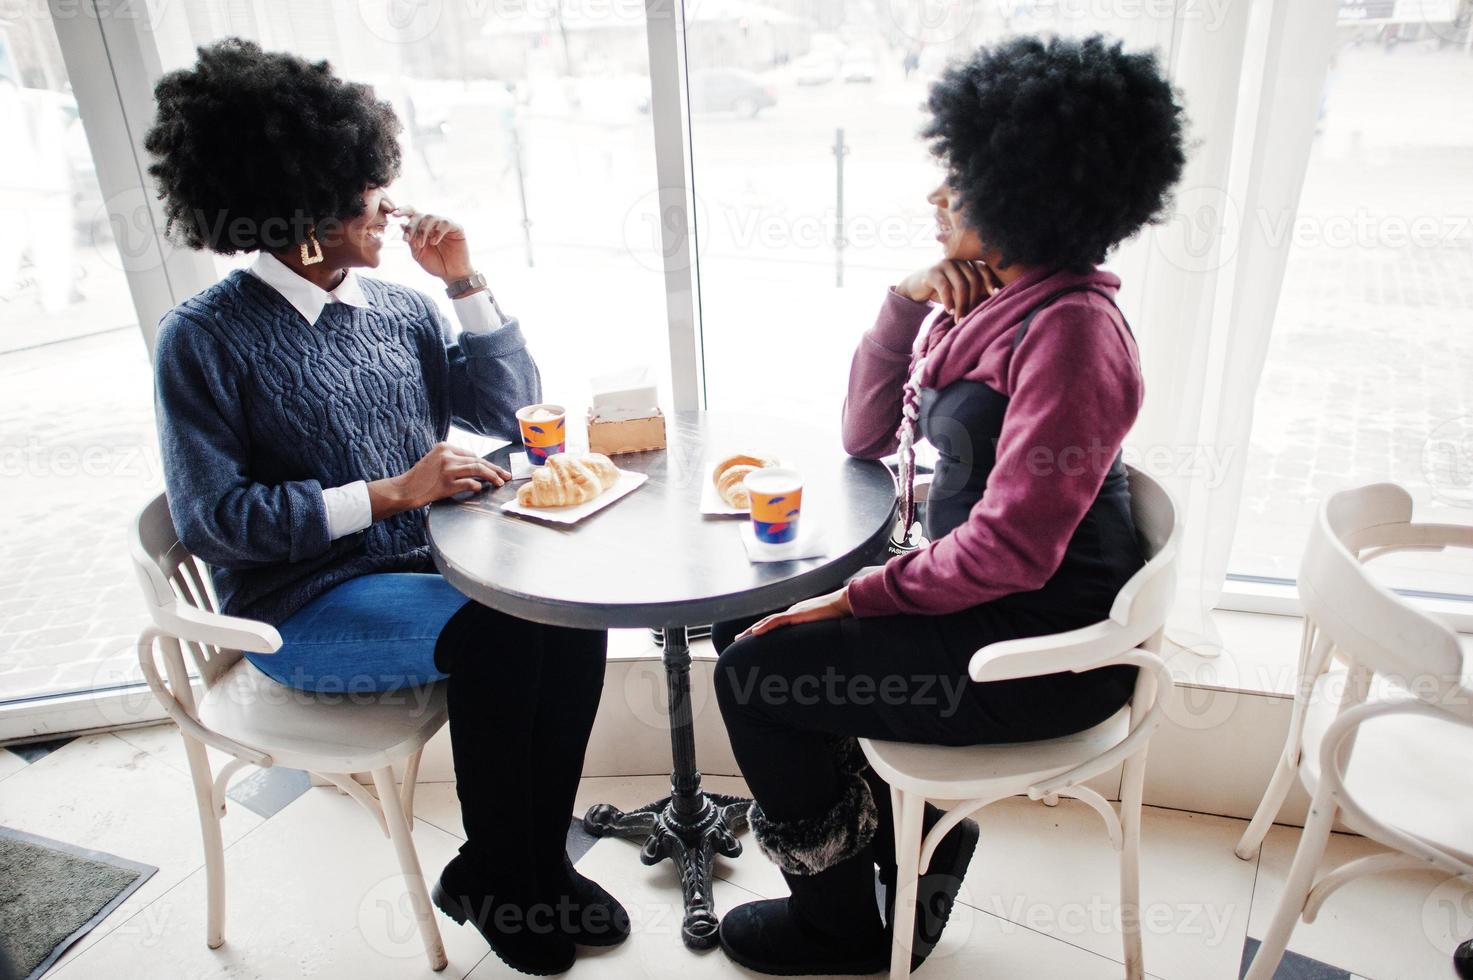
(810, 178)
(534, 124)
(529, 124)
(1369, 374)
(77, 446)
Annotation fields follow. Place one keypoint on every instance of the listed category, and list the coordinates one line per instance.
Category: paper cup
(544, 431)
(777, 499)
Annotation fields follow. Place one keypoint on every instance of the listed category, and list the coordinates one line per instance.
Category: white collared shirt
(348, 507)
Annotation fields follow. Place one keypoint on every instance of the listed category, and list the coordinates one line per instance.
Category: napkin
(808, 544)
(623, 395)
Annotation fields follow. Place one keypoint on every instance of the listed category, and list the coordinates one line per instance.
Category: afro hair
(1057, 149)
(254, 149)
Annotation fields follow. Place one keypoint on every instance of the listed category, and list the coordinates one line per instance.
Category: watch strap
(466, 286)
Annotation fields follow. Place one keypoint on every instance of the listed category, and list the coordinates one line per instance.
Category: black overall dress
(963, 421)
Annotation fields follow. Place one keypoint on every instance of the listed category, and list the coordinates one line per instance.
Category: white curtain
(1206, 283)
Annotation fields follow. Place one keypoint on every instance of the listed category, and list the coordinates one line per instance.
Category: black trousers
(522, 698)
(791, 697)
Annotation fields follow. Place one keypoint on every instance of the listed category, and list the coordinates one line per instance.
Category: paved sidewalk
(78, 457)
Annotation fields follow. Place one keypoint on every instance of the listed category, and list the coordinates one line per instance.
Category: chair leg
(1131, 788)
(909, 817)
(419, 897)
(214, 841)
(1268, 807)
(1296, 890)
(411, 776)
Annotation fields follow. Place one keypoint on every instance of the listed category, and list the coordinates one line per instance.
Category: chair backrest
(1148, 594)
(1137, 617)
(170, 576)
(1368, 624)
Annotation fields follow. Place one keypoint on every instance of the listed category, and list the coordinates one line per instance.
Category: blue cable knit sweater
(258, 411)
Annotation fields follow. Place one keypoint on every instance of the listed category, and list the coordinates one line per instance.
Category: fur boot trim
(814, 844)
(848, 756)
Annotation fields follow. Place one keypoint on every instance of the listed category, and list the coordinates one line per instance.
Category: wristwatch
(466, 286)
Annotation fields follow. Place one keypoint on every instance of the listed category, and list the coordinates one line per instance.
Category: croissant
(729, 474)
(567, 479)
(731, 487)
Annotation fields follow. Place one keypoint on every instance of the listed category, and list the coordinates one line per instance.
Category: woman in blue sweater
(302, 413)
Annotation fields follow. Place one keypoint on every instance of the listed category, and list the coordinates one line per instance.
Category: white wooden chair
(257, 721)
(983, 774)
(1383, 743)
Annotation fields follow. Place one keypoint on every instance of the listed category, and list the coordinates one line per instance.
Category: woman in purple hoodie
(1026, 381)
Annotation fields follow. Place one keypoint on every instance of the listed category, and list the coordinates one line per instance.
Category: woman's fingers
(463, 486)
(763, 625)
(959, 289)
(757, 629)
(407, 217)
(421, 230)
(806, 614)
(977, 289)
(492, 474)
(989, 277)
(478, 468)
(944, 292)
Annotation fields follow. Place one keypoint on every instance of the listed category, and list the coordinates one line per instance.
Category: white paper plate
(711, 503)
(627, 483)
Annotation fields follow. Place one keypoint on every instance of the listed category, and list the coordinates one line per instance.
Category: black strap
(1048, 301)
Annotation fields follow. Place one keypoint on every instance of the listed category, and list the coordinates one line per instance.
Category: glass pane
(529, 126)
(799, 117)
(77, 446)
(1369, 374)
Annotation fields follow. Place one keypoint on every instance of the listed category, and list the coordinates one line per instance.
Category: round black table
(653, 560)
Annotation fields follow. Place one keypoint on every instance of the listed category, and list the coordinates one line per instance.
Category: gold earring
(315, 255)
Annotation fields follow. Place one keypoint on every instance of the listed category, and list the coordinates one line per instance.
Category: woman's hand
(835, 605)
(443, 472)
(959, 286)
(437, 244)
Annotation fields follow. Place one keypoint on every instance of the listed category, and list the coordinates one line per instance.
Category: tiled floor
(313, 888)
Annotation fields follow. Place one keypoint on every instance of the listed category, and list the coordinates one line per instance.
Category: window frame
(112, 57)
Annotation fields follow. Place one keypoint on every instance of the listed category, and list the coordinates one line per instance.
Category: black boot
(586, 913)
(520, 930)
(1463, 960)
(830, 924)
(492, 696)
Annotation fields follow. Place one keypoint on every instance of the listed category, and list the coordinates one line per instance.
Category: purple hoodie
(1074, 388)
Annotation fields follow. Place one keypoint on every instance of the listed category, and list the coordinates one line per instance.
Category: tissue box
(614, 436)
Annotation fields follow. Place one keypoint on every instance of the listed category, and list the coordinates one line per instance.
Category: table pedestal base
(690, 826)
(691, 844)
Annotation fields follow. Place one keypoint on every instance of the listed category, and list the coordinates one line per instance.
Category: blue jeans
(371, 633)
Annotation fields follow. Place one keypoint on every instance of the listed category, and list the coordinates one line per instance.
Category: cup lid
(525, 412)
(774, 479)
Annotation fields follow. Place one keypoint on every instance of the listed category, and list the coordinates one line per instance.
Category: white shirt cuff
(348, 509)
(477, 313)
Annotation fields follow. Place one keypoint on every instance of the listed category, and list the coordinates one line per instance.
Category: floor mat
(51, 895)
